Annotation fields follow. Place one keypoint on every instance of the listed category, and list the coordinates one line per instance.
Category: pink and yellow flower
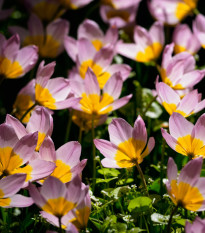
(93, 102)
(57, 198)
(127, 145)
(186, 138)
(15, 155)
(9, 186)
(74, 4)
(179, 71)
(185, 40)
(47, 10)
(49, 41)
(188, 190)
(15, 62)
(171, 12)
(118, 13)
(148, 44)
(199, 29)
(52, 93)
(191, 103)
(66, 159)
(99, 62)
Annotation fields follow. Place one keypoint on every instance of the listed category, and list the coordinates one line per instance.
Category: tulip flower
(119, 14)
(186, 138)
(25, 100)
(52, 93)
(99, 62)
(16, 155)
(92, 102)
(198, 226)
(148, 44)
(74, 4)
(77, 217)
(47, 10)
(171, 12)
(179, 71)
(199, 29)
(49, 41)
(66, 158)
(185, 40)
(9, 186)
(16, 62)
(4, 13)
(188, 190)
(191, 103)
(57, 198)
(127, 145)
(41, 121)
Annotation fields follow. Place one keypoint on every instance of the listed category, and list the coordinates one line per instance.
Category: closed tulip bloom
(50, 41)
(191, 103)
(199, 29)
(198, 226)
(178, 71)
(188, 190)
(148, 44)
(16, 62)
(57, 198)
(9, 186)
(171, 12)
(186, 138)
(127, 145)
(185, 40)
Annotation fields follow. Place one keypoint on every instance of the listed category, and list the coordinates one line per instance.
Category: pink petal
(106, 148)
(171, 170)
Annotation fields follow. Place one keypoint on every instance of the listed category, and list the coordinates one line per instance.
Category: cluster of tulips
(32, 171)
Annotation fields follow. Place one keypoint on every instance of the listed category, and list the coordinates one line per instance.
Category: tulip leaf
(140, 204)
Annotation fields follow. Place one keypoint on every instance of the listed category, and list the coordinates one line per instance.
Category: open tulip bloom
(49, 41)
(57, 198)
(185, 40)
(148, 44)
(74, 4)
(52, 93)
(179, 71)
(198, 226)
(95, 103)
(16, 155)
(66, 158)
(98, 61)
(171, 12)
(186, 138)
(9, 186)
(199, 29)
(127, 146)
(15, 62)
(188, 189)
(191, 103)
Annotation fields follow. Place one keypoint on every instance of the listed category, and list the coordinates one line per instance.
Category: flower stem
(27, 111)
(60, 225)
(68, 127)
(80, 134)
(170, 219)
(94, 151)
(161, 166)
(149, 105)
(142, 177)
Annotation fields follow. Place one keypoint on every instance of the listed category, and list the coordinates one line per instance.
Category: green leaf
(125, 181)
(155, 186)
(140, 204)
(136, 230)
(159, 218)
(104, 180)
(109, 172)
(181, 222)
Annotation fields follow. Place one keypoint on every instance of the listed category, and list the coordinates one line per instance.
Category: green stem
(67, 134)
(196, 11)
(60, 225)
(146, 225)
(80, 134)
(149, 105)
(161, 166)
(170, 219)
(27, 111)
(142, 177)
(94, 151)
